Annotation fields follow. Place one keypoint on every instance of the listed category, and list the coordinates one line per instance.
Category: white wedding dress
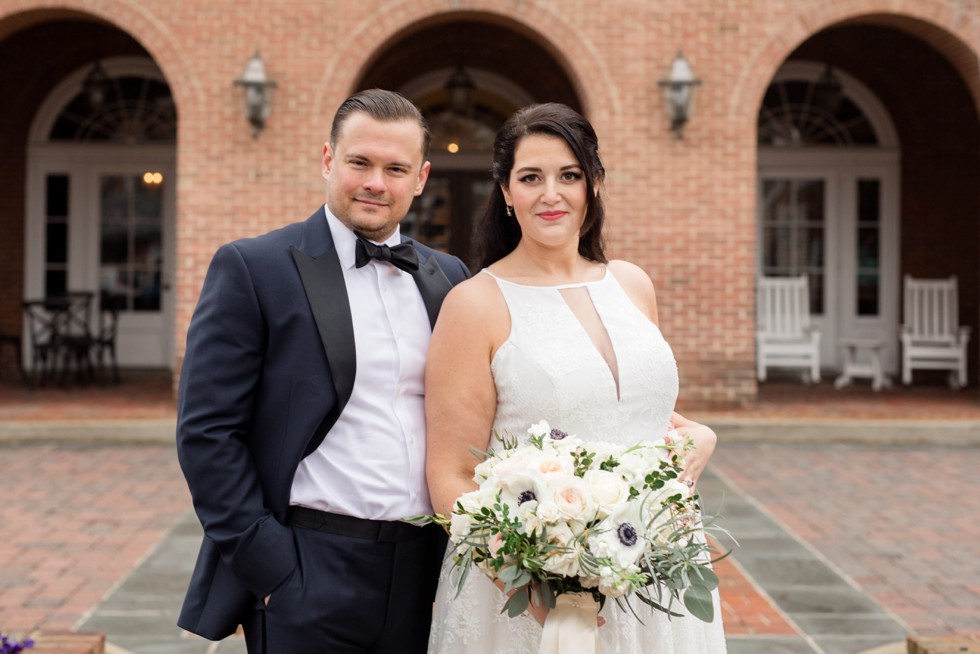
(549, 369)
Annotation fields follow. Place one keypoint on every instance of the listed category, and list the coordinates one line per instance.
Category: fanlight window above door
(793, 115)
(135, 110)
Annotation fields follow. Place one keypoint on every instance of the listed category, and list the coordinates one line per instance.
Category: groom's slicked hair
(384, 106)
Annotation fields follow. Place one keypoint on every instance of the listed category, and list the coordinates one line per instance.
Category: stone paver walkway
(843, 547)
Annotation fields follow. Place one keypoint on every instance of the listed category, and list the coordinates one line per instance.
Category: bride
(550, 330)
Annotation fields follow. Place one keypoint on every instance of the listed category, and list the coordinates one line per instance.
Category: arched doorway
(906, 133)
(100, 205)
(467, 77)
(828, 202)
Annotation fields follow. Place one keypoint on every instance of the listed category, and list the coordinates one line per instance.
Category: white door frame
(840, 168)
(142, 342)
(84, 163)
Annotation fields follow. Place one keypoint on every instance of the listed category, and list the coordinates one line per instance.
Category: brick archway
(588, 75)
(126, 17)
(893, 46)
(934, 22)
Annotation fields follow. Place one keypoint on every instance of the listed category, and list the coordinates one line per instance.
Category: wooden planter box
(968, 644)
(67, 642)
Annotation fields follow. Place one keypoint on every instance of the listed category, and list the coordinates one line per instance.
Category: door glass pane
(428, 221)
(56, 209)
(55, 282)
(115, 198)
(868, 280)
(793, 232)
(480, 193)
(816, 293)
(57, 242)
(809, 199)
(867, 294)
(56, 196)
(149, 196)
(811, 247)
(147, 240)
(778, 248)
(146, 290)
(868, 248)
(132, 240)
(115, 243)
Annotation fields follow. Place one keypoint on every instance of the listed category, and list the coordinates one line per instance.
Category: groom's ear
(327, 160)
(423, 176)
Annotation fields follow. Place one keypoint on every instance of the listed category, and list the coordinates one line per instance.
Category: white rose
(633, 467)
(475, 500)
(607, 489)
(573, 499)
(547, 511)
(612, 584)
(564, 563)
(552, 466)
(483, 470)
(459, 527)
(603, 450)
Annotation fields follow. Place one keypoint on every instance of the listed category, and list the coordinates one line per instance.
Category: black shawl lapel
(433, 286)
(323, 281)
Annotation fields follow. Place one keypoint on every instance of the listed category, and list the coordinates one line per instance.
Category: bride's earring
(510, 210)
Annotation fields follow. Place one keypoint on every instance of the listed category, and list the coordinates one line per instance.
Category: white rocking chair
(932, 338)
(784, 336)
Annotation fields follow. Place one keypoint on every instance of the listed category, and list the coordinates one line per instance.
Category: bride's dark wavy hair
(497, 234)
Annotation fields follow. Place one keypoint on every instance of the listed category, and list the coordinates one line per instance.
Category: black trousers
(351, 595)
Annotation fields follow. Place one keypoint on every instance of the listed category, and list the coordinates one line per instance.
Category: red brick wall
(682, 209)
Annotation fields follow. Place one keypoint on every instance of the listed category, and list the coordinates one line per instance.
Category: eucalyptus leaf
(709, 577)
(509, 574)
(697, 599)
(547, 594)
(517, 604)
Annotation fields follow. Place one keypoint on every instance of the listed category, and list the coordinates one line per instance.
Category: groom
(301, 430)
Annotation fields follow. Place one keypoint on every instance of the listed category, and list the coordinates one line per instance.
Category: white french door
(835, 219)
(103, 219)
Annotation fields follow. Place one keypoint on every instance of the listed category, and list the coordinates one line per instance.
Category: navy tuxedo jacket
(269, 366)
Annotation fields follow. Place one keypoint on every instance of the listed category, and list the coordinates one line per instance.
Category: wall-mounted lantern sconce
(461, 89)
(679, 89)
(257, 93)
(96, 86)
(828, 91)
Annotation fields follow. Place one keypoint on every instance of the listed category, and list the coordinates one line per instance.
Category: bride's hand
(537, 611)
(705, 440)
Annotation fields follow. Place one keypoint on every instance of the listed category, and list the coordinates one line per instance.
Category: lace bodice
(550, 369)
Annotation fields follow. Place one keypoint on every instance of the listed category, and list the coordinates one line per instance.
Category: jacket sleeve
(222, 369)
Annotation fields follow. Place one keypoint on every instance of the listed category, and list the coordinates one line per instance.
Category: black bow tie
(401, 256)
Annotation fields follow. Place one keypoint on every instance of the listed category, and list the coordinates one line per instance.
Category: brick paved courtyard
(900, 524)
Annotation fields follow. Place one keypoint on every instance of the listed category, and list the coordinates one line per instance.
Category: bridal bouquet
(560, 516)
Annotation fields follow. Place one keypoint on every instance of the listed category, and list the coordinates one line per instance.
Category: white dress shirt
(371, 464)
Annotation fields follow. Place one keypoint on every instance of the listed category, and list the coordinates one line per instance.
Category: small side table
(853, 368)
